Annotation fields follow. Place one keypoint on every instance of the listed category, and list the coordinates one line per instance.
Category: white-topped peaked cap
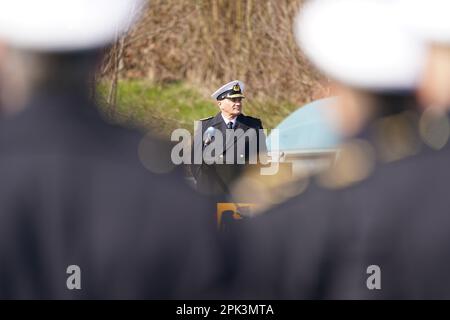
(233, 89)
(360, 43)
(65, 25)
(428, 19)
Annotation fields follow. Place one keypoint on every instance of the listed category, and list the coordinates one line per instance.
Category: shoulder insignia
(207, 118)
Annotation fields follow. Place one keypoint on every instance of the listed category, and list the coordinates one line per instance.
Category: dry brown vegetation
(209, 42)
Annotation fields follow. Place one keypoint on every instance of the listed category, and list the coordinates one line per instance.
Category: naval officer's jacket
(216, 178)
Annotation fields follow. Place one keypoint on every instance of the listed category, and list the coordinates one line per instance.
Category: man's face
(231, 107)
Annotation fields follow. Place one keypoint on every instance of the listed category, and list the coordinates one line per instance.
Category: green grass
(163, 108)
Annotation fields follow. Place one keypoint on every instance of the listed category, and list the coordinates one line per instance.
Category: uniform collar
(240, 121)
(228, 120)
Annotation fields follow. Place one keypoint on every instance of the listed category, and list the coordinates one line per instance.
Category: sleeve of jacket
(197, 146)
(262, 146)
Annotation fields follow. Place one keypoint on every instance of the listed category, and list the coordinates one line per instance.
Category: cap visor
(238, 95)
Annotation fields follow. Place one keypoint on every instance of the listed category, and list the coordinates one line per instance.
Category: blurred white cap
(360, 43)
(428, 19)
(65, 25)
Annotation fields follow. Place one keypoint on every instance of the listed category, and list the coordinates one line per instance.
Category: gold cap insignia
(236, 88)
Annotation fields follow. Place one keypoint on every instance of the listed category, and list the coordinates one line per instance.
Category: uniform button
(242, 155)
(221, 156)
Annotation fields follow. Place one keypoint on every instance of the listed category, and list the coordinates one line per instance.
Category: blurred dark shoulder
(71, 131)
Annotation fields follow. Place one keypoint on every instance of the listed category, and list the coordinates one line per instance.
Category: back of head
(362, 47)
(55, 45)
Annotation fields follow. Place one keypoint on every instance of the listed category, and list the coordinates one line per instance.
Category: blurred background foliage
(161, 74)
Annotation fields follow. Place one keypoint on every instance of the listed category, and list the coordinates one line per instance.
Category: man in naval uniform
(241, 141)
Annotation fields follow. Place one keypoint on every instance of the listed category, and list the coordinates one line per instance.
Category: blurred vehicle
(307, 138)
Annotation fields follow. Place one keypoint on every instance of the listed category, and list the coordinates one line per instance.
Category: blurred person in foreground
(356, 217)
(77, 195)
(407, 234)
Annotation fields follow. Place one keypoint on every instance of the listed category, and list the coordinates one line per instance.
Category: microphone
(209, 133)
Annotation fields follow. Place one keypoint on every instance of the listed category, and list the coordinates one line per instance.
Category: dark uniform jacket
(73, 191)
(405, 211)
(217, 178)
(321, 243)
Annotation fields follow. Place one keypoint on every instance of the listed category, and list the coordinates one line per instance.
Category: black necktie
(230, 125)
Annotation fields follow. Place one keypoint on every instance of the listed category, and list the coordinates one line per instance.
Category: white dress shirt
(228, 120)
